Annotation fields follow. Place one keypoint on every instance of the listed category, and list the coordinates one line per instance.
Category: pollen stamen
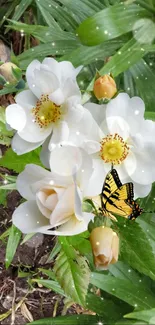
(113, 149)
(46, 112)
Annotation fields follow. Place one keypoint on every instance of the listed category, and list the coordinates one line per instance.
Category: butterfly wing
(117, 198)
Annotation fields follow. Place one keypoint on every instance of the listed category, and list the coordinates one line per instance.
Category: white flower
(125, 140)
(53, 202)
(46, 107)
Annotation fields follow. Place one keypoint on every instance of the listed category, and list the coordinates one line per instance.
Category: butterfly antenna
(112, 166)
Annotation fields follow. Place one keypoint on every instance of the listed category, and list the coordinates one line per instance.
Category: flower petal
(70, 89)
(16, 117)
(64, 208)
(40, 200)
(31, 174)
(73, 227)
(60, 134)
(52, 65)
(21, 146)
(57, 96)
(68, 70)
(65, 160)
(32, 131)
(45, 153)
(98, 111)
(97, 179)
(35, 64)
(26, 99)
(29, 219)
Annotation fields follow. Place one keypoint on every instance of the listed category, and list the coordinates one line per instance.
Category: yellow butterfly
(117, 198)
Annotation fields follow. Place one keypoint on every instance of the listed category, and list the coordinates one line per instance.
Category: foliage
(99, 34)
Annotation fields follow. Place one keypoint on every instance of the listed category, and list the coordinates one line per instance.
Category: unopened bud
(105, 247)
(105, 87)
(6, 70)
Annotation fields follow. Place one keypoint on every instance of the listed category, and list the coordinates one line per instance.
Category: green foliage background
(88, 33)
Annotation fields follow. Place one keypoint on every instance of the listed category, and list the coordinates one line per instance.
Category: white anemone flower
(54, 203)
(126, 140)
(46, 107)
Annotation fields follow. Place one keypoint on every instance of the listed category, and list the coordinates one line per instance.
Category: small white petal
(20, 146)
(16, 117)
(60, 134)
(57, 97)
(26, 99)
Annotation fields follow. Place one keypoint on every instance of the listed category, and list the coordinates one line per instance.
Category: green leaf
(121, 61)
(57, 12)
(149, 115)
(110, 23)
(86, 54)
(26, 238)
(20, 9)
(69, 320)
(133, 294)
(12, 244)
(56, 249)
(124, 271)
(50, 284)
(144, 79)
(39, 52)
(106, 308)
(42, 33)
(3, 197)
(72, 272)
(135, 248)
(17, 163)
(48, 272)
(145, 315)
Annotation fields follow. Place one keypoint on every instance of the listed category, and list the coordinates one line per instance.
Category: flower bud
(6, 71)
(105, 87)
(105, 246)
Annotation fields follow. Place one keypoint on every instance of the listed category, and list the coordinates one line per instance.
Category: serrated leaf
(12, 244)
(135, 248)
(69, 320)
(110, 23)
(72, 272)
(133, 294)
(144, 315)
(17, 163)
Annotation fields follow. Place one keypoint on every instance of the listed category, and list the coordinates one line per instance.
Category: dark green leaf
(106, 308)
(134, 295)
(110, 23)
(135, 248)
(69, 320)
(145, 315)
(12, 244)
(56, 249)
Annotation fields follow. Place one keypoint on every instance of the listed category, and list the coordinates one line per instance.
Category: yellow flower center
(113, 149)
(46, 112)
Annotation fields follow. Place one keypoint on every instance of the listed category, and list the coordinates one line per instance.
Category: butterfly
(118, 198)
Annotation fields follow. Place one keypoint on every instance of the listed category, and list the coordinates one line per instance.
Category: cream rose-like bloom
(46, 108)
(105, 247)
(54, 203)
